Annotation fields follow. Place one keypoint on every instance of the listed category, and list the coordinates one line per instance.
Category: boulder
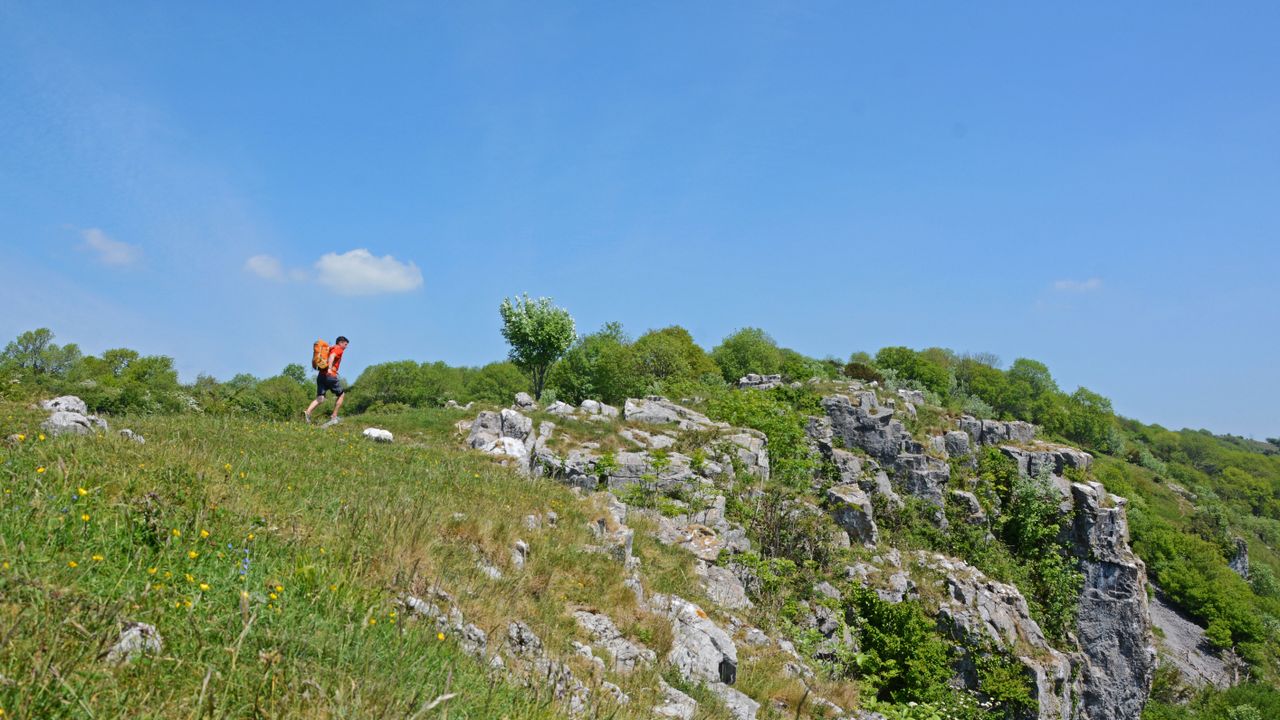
(66, 403)
(851, 509)
(64, 422)
(969, 506)
(378, 434)
(1240, 559)
(524, 401)
(560, 408)
(956, 443)
(595, 407)
(132, 436)
(522, 641)
(136, 639)
(915, 397)
(866, 426)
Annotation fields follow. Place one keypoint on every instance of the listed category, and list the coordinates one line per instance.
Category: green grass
(334, 529)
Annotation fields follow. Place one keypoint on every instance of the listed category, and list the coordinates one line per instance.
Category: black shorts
(327, 383)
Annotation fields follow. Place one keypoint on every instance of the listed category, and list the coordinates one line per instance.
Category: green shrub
(749, 350)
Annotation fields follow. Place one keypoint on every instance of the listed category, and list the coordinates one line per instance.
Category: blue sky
(1095, 185)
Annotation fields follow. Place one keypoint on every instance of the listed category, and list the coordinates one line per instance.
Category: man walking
(327, 380)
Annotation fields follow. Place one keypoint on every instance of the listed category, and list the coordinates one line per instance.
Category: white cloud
(1078, 285)
(110, 251)
(358, 272)
(265, 267)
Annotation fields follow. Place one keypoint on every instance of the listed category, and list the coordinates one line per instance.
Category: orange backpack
(320, 355)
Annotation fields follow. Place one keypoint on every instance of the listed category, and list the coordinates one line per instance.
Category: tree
(749, 350)
(600, 366)
(539, 333)
(295, 372)
(670, 355)
(35, 352)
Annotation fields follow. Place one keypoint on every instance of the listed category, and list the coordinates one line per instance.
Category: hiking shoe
(307, 416)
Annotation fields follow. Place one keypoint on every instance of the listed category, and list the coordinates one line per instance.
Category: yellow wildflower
(333, 588)
(190, 578)
(272, 596)
(21, 437)
(279, 588)
(4, 565)
(204, 533)
(204, 587)
(439, 636)
(39, 469)
(82, 492)
(187, 603)
(72, 564)
(250, 536)
(193, 554)
(151, 571)
(227, 467)
(177, 532)
(97, 558)
(373, 621)
(85, 517)
(241, 474)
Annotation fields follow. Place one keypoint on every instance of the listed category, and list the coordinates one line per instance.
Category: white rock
(378, 434)
(135, 639)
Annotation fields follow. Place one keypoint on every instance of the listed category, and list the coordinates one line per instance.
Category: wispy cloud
(1078, 286)
(110, 251)
(359, 272)
(355, 272)
(265, 267)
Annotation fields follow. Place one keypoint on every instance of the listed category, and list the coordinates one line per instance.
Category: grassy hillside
(269, 556)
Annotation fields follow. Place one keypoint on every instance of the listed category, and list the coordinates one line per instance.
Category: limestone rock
(956, 443)
(524, 401)
(132, 436)
(674, 704)
(560, 408)
(64, 422)
(627, 656)
(1114, 625)
(851, 509)
(1185, 647)
(136, 639)
(740, 706)
(969, 505)
(700, 650)
(759, 382)
(655, 410)
(66, 403)
(378, 434)
(522, 641)
(723, 587)
(1240, 560)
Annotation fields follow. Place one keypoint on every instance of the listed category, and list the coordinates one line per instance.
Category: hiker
(326, 359)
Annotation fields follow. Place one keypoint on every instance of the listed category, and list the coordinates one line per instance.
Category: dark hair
(341, 339)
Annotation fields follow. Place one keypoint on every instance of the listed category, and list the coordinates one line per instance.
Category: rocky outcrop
(627, 656)
(1114, 626)
(1184, 647)
(851, 509)
(71, 422)
(524, 401)
(997, 432)
(753, 381)
(655, 410)
(1240, 559)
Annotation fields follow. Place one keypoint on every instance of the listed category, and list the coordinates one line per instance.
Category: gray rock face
(522, 641)
(700, 650)
(627, 656)
(1114, 627)
(740, 706)
(997, 432)
(505, 433)
(851, 509)
(1185, 648)
(759, 382)
(956, 443)
(524, 401)
(674, 704)
(915, 397)
(865, 426)
(723, 587)
(136, 639)
(654, 410)
(1240, 560)
(595, 407)
(969, 505)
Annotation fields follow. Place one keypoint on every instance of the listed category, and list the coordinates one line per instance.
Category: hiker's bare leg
(338, 407)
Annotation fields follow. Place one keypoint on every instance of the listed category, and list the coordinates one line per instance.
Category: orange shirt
(335, 358)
